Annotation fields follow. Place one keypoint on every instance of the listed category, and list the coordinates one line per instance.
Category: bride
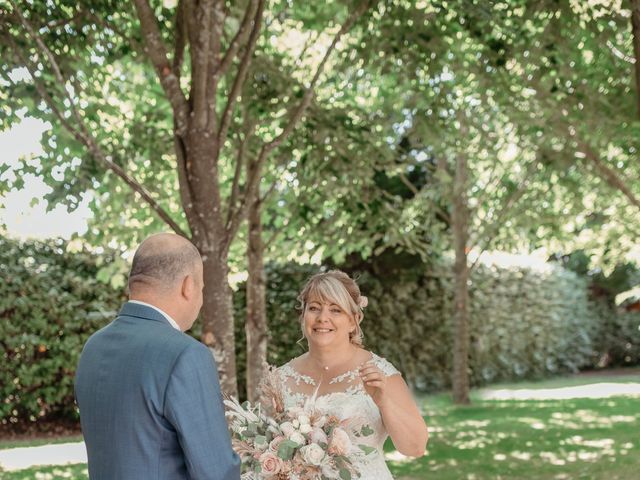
(341, 378)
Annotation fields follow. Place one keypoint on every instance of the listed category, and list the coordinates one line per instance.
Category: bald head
(162, 260)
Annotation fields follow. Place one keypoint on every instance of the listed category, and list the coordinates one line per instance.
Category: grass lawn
(582, 438)
(48, 473)
(533, 439)
(36, 442)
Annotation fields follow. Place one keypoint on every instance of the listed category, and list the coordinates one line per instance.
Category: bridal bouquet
(293, 444)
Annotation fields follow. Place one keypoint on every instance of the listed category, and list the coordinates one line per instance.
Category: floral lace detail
(385, 365)
(288, 371)
(348, 400)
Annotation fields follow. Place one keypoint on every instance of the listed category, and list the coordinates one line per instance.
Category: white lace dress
(345, 397)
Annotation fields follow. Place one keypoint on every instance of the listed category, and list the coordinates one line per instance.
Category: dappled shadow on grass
(553, 439)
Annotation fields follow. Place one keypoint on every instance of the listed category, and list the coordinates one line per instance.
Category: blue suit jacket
(150, 403)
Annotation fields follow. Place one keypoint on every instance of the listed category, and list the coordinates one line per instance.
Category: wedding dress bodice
(345, 397)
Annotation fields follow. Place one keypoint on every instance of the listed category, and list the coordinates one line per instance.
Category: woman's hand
(375, 382)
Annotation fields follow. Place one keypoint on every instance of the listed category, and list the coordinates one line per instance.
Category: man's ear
(188, 287)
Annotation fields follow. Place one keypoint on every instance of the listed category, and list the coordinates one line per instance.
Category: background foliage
(50, 302)
(526, 322)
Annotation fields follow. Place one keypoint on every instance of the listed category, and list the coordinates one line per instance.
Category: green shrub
(50, 302)
(618, 340)
(524, 322)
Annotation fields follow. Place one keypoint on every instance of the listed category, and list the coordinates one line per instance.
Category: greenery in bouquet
(297, 443)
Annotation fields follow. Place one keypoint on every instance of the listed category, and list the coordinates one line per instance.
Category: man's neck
(155, 305)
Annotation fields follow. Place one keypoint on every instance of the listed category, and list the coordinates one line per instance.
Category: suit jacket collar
(130, 309)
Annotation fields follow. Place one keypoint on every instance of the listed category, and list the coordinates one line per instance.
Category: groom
(149, 397)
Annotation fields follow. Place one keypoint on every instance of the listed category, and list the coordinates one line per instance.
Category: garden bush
(50, 302)
(525, 322)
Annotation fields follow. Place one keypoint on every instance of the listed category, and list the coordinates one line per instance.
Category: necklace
(325, 368)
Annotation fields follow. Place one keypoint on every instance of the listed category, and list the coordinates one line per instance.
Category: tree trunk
(460, 221)
(635, 28)
(256, 322)
(217, 319)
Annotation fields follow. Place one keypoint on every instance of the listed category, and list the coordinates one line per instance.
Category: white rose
(339, 443)
(287, 429)
(296, 423)
(305, 428)
(320, 421)
(298, 438)
(312, 454)
(318, 436)
(304, 420)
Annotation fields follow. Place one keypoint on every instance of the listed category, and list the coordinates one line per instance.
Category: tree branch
(308, 94)
(488, 233)
(609, 174)
(157, 52)
(408, 184)
(52, 60)
(81, 133)
(217, 31)
(42, 91)
(240, 76)
(107, 24)
(235, 187)
(200, 65)
(254, 173)
(180, 40)
(635, 28)
(239, 38)
(305, 47)
(186, 194)
(443, 215)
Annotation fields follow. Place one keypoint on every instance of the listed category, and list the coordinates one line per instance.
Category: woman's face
(325, 323)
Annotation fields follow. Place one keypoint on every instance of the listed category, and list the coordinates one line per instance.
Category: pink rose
(339, 443)
(270, 463)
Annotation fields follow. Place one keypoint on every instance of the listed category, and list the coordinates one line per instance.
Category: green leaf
(367, 449)
(287, 449)
(366, 431)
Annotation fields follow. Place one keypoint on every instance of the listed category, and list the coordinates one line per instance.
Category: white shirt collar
(162, 312)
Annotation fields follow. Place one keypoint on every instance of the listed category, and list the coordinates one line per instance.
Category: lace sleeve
(386, 366)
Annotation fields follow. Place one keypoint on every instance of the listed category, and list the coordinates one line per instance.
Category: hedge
(525, 322)
(50, 302)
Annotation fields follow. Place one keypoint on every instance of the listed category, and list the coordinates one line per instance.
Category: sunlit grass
(542, 439)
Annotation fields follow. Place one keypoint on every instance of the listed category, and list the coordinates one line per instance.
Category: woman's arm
(400, 414)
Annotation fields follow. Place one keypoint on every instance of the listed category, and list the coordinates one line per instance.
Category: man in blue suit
(149, 396)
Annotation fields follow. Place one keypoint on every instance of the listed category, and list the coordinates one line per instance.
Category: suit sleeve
(193, 405)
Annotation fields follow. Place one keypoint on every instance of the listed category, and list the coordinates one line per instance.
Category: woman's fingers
(367, 369)
(375, 383)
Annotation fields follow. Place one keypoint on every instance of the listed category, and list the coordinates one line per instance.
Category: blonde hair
(336, 287)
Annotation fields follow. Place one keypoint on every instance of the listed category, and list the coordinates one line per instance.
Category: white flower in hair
(363, 301)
